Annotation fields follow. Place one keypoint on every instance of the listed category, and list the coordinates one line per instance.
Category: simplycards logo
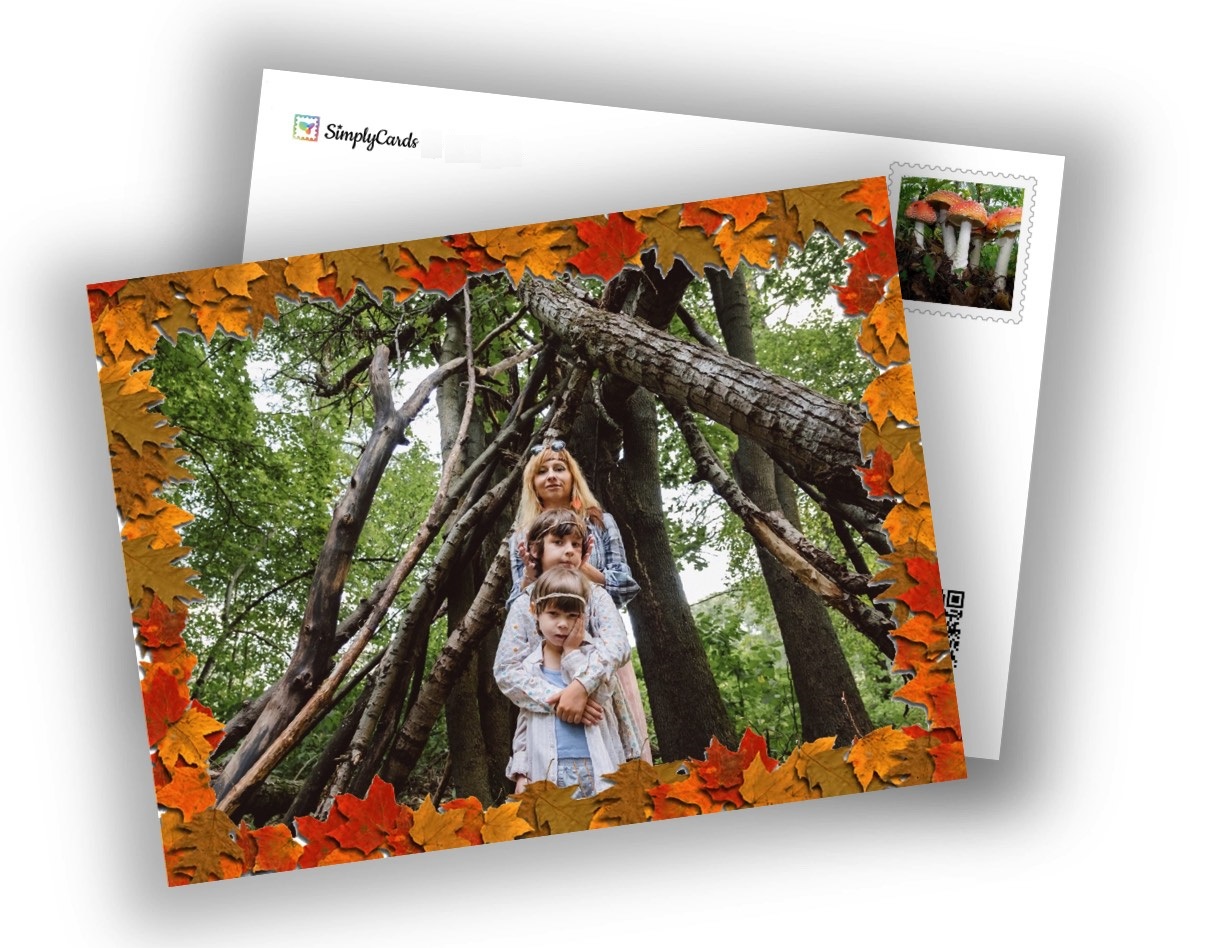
(305, 128)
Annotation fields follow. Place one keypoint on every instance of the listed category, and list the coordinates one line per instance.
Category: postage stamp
(963, 240)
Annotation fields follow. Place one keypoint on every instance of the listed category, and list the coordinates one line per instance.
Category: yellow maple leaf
(673, 241)
(892, 393)
(760, 787)
(231, 314)
(128, 416)
(543, 249)
(502, 823)
(188, 738)
(828, 206)
(236, 279)
(825, 769)
(892, 436)
(157, 571)
(907, 524)
(159, 523)
(627, 801)
(434, 830)
(127, 323)
(422, 251)
(203, 848)
(304, 272)
(892, 757)
(555, 811)
(910, 477)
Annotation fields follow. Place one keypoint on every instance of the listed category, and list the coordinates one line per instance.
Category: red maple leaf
(611, 246)
(877, 475)
(369, 821)
(164, 702)
(317, 835)
(877, 259)
(925, 595)
(162, 627)
(695, 215)
(477, 259)
(723, 770)
(447, 276)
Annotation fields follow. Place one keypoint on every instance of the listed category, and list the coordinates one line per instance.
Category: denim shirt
(607, 555)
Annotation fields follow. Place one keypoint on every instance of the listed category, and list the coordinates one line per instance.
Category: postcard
(345, 162)
(404, 529)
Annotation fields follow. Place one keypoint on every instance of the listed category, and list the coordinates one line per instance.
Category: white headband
(582, 599)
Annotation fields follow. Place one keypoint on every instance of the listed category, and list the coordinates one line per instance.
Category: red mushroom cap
(972, 211)
(1005, 219)
(939, 199)
(922, 211)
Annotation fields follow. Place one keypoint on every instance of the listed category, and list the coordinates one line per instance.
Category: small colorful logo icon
(305, 128)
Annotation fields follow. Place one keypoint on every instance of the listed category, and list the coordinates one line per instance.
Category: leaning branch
(813, 567)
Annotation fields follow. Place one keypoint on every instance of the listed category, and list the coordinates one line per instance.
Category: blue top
(607, 555)
(570, 740)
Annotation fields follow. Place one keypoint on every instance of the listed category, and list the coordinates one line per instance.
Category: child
(546, 746)
(557, 538)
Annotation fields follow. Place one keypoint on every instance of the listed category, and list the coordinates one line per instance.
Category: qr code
(955, 605)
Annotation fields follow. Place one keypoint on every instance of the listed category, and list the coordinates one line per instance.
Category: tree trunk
(687, 709)
(816, 436)
(825, 687)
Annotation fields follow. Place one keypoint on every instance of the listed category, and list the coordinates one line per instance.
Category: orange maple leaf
(744, 209)
(612, 246)
(190, 791)
(752, 244)
(444, 276)
(501, 823)
(160, 626)
(875, 195)
(472, 818)
(908, 524)
(892, 393)
(276, 850)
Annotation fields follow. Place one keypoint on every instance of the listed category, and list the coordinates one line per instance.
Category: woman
(552, 479)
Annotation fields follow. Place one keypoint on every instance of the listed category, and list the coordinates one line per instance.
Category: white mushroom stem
(976, 248)
(1001, 262)
(963, 245)
(946, 230)
(919, 234)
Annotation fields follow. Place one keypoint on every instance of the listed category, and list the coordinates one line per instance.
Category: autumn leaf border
(128, 318)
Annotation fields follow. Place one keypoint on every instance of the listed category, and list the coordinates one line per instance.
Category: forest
(341, 466)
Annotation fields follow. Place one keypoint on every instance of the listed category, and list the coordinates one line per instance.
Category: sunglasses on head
(555, 445)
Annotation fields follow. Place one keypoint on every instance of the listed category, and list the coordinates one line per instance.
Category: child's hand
(570, 703)
(522, 782)
(531, 565)
(575, 638)
(593, 713)
(588, 550)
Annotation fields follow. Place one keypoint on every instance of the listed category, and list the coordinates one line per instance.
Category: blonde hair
(565, 587)
(582, 499)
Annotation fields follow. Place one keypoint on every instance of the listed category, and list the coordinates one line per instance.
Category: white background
(127, 138)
